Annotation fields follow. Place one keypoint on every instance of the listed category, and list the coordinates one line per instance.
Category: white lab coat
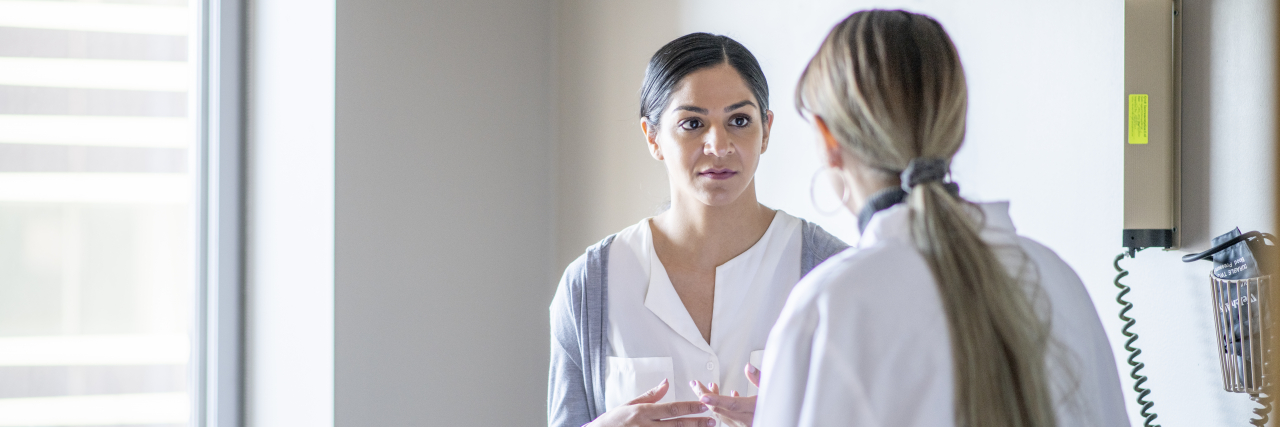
(863, 340)
(651, 335)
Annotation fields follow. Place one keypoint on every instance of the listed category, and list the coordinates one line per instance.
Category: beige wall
(443, 212)
(605, 177)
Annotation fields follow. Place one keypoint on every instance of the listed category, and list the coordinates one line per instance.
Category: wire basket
(1243, 337)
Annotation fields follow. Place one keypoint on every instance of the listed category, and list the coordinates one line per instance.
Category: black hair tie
(919, 171)
(922, 170)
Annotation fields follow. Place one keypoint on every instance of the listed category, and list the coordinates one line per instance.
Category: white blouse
(651, 335)
(863, 340)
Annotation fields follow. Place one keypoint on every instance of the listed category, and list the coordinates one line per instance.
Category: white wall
(1045, 132)
(444, 212)
(289, 292)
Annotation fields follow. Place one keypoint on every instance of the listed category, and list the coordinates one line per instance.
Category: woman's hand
(734, 410)
(644, 411)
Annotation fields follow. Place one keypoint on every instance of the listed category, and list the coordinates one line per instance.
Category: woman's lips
(718, 173)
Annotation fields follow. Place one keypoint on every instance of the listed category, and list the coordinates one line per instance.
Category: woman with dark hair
(942, 314)
(687, 296)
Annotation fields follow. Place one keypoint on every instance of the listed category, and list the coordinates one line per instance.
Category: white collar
(894, 224)
(662, 299)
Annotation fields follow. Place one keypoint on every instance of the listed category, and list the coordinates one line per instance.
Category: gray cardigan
(579, 327)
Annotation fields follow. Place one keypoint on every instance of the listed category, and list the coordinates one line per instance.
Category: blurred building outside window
(98, 241)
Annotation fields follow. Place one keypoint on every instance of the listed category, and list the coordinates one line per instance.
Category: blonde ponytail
(890, 87)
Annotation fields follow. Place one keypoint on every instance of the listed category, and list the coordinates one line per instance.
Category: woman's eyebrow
(701, 110)
(740, 104)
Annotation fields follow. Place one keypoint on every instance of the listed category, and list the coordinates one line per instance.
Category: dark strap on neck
(880, 201)
(888, 197)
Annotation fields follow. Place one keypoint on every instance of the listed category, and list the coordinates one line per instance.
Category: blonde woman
(942, 314)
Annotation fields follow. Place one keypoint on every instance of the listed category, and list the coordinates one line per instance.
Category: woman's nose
(717, 143)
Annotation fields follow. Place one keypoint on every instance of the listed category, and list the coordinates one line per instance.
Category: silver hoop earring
(844, 193)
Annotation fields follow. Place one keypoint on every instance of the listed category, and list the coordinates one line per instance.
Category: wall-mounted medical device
(1152, 97)
(1152, 214)
(1243, 264)
(1152, 151)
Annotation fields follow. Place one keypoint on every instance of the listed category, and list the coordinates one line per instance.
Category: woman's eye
(740, 121)
(691, 124)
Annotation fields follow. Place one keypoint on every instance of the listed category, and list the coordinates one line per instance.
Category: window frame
(218, 357)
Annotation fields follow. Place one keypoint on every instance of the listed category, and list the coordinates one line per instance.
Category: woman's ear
(651, 136)
(768, 126)
(835, 155)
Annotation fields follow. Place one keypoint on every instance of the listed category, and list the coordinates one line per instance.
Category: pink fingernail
(705, 399)
(693, 384)
(711, 423)
(752, 368)
(702, 408)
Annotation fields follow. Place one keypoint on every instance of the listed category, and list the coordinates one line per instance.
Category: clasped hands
(644, 411)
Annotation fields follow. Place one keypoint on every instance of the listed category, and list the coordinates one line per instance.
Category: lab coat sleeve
(567, 399)
(797, 373)
(785, 367)
(834, 393)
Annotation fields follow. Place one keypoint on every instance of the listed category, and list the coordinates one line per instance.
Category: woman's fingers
(715, 388)
(733, 411)
(735, 393)
(753, 374)
(700, 389)
(725, 403)
(687, 422)
(660, 411)
(653, 395)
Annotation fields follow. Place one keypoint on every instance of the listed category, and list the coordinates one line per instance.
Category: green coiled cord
(1133, 351)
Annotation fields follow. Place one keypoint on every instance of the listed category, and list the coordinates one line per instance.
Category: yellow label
(1138, 119)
